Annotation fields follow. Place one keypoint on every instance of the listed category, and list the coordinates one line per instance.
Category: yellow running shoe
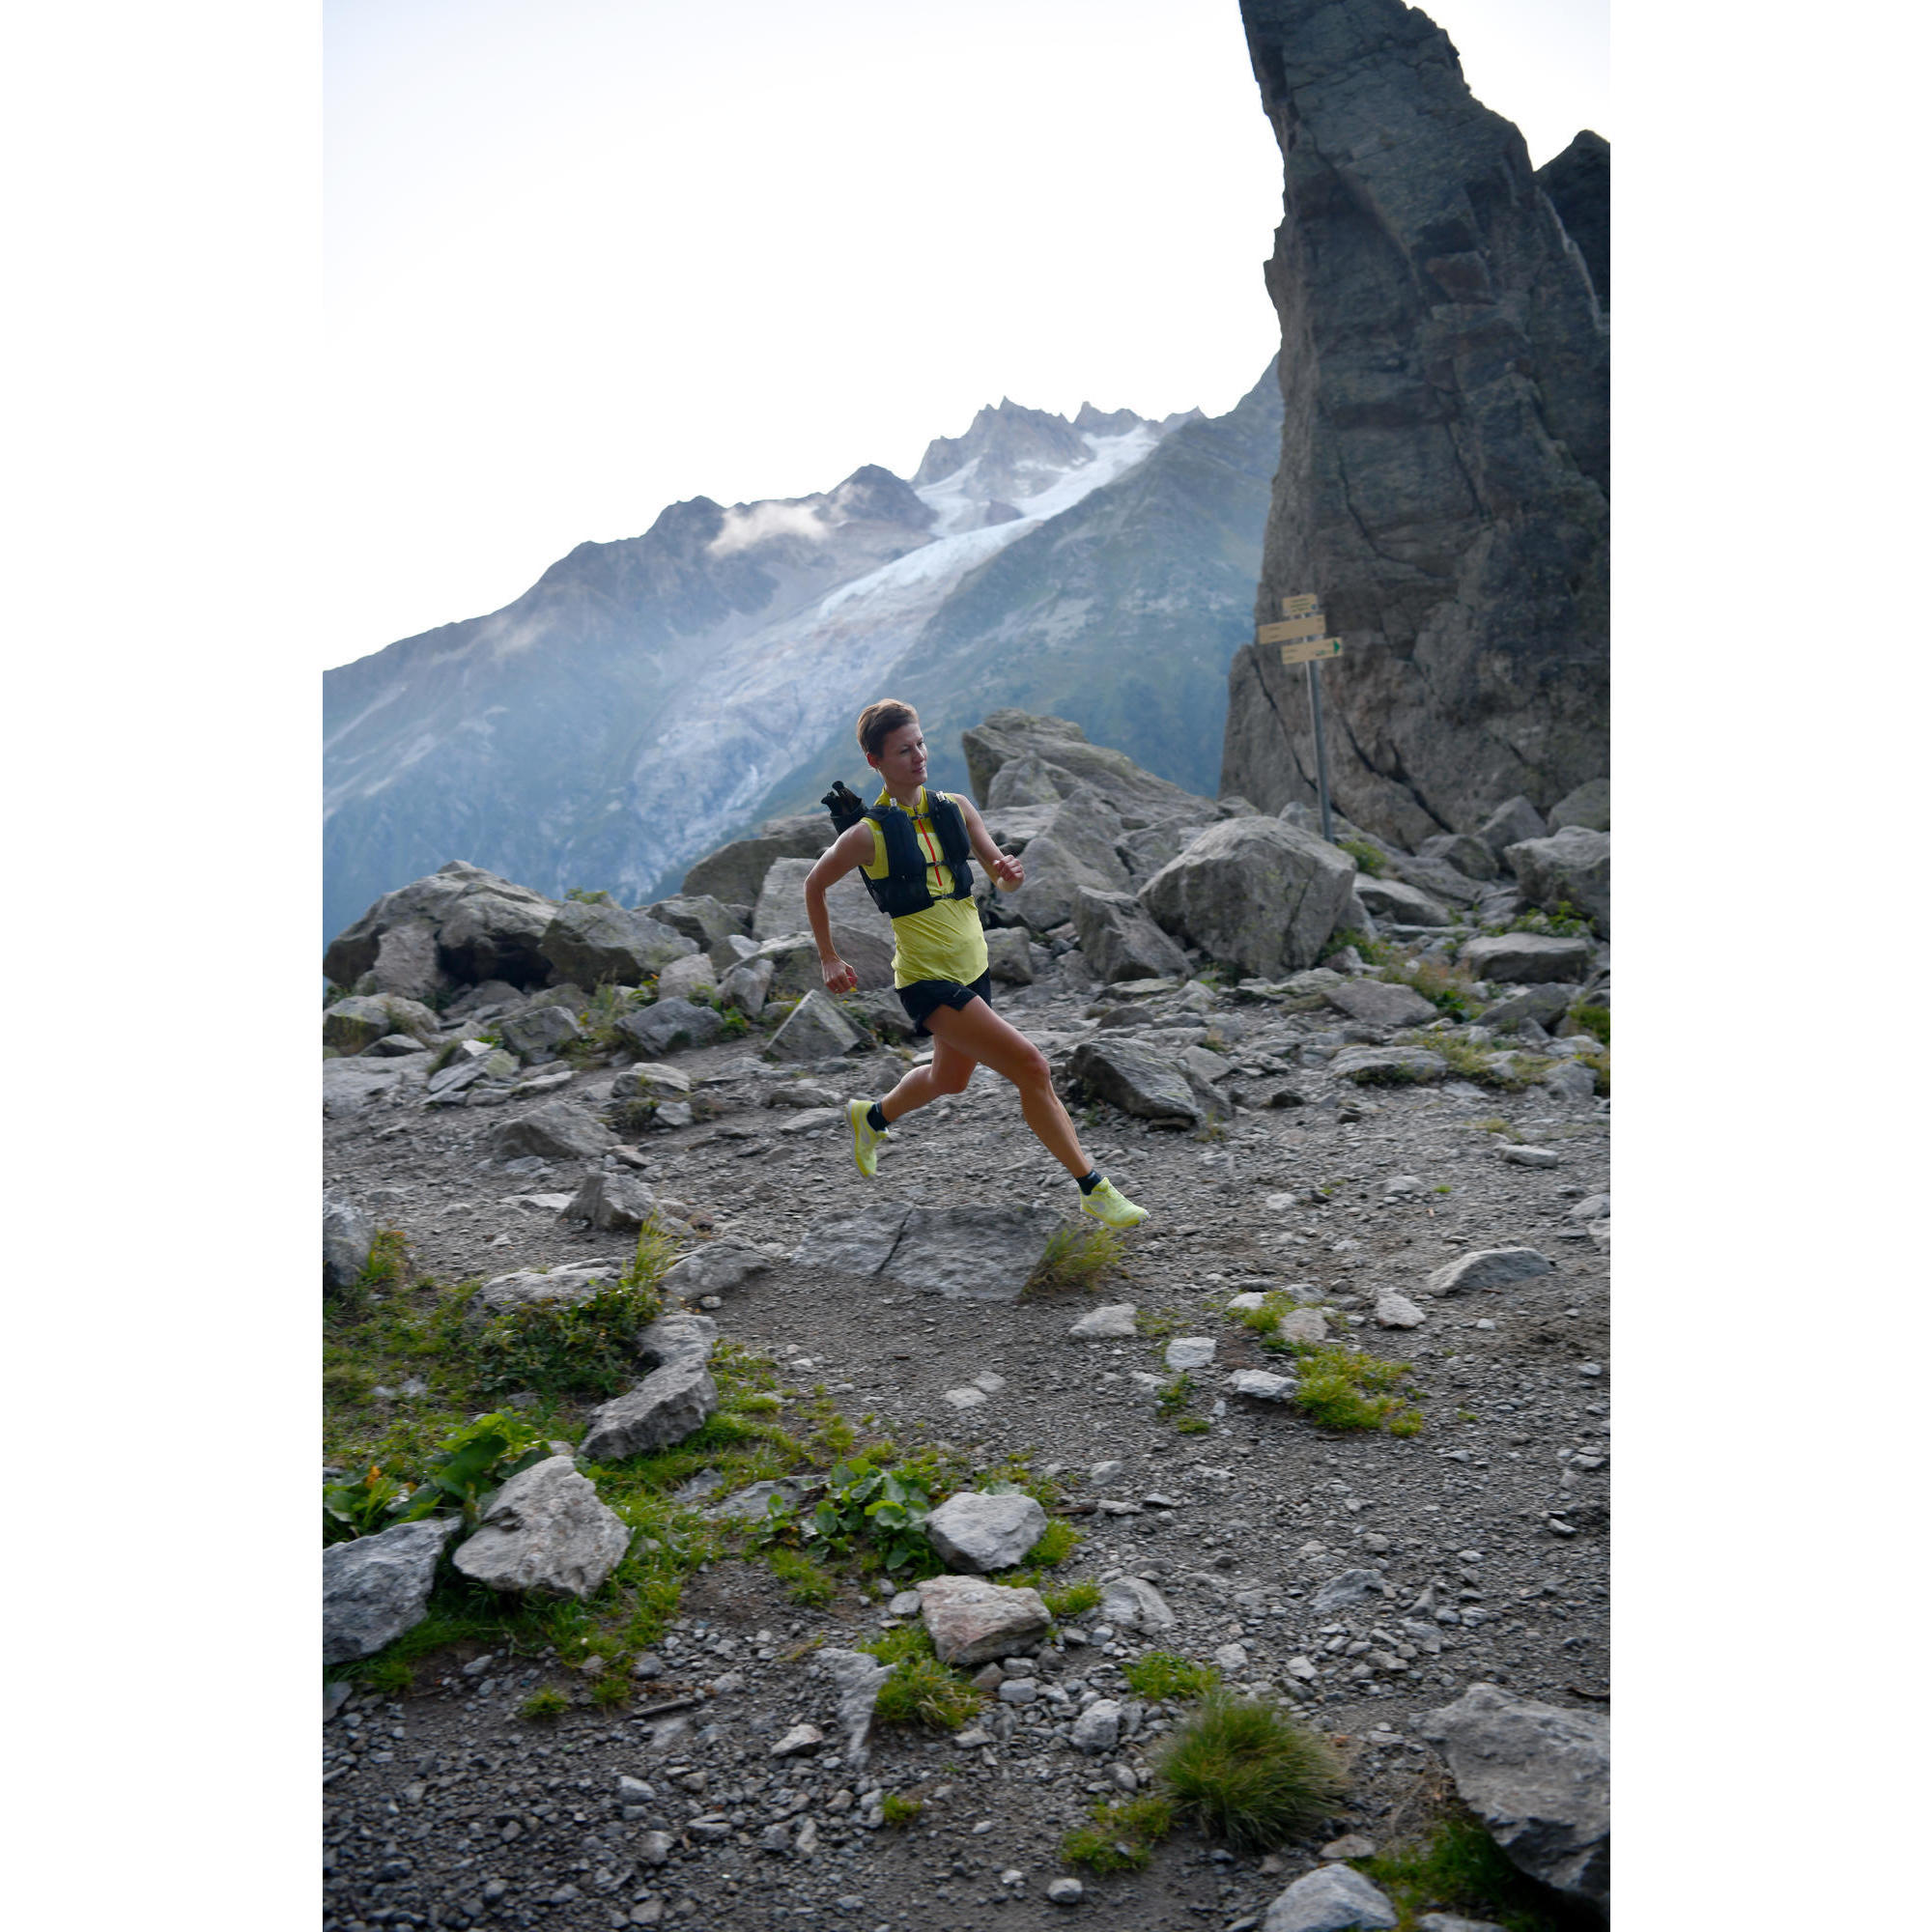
(1108, 1204)
(865, 1140)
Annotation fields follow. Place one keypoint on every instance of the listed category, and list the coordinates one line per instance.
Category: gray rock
(1132, 1602)
(1570, 1082)
(1570, 867)
(1189, 1352)
(1470, 856)
(1592, 1208)
(376, 1587)
(540, 1032)
(1029, 779)
(651, 1082)
(1145, 1079)
(735, 874)
(1544, 1003)
(1302, 1324)
(752, 1503)
(1388, 1065)
(1064, 1891)
(1539, 1777)
(716, 1268)
(1381, 1003)
(972, 1253)
(348, 1234)
(671, 1026)
(816, 1030)
(672, 1401)
(980, 1533)
(394, 1046)
(407, 962)
(485, 928)
(1098, 1728)
(1072, 761)
(1510, 824)
(746, 985)
(601, 944)
(527, 1288)
(1347, 1592)
(797, 1741)
(861, 933)
(555, 1130)
(1010, 955)
(858, 1677)
(1587, 806)
(1331, 1898)
(853, 1242)
(1526, 959)
(349, 1025)
(546, 1533)
(1529, 1156)
(1259, 1385)
(1447, 1922)
(1401, 903)
(706, 920)
(353, 1086)
(1121, 942)
(1114, 1324)
(1397, 1310)
(1256, 892)
(1441, 881)
(692, 978)
(970, 1620)
(612, 1200)
(1489, 1267)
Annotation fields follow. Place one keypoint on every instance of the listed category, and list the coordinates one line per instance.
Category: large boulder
(1468, 855)
(1147, 1080)
(1401, 903)
(1062, 751)
(348, 1234)
(1489, 1267)
(715, 1267)
(547, 1533)
(612, 1201)
(376, 1587)
(1587, 806)
(1331, 1898)
(1571, 867)
(735, 874)
(745, 986)
(861, 932)
(1544, 1004)
(673, 1401)
(1539, 1779)
(970, 1620)
(352, 1086)
(1510, 824)
(982, 1533)
(485, 928)
(1526, 959)
(530, 1288)
(1027, 780)
(1119, 941)
(814, 1029)
(1076, 851)
(1256, 893)
(966, 1253)
(706, 920)
(1388, 1065)
(1381, 1003)
(540, 1034)
(556, 1131)
(671, 1026)
(692, 978)
(602, 944)
(362, 1019)
(1010, 955)
(407, 963)
(1437, 877)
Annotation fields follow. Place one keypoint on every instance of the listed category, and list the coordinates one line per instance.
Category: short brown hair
(878, 721)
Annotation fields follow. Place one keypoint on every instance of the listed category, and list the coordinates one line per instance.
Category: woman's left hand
(1009, 872)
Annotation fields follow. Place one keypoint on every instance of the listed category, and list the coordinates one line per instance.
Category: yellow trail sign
(1310, 650)
(1299, 607)
(1291, 632)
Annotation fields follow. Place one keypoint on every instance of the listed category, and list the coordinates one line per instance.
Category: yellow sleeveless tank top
(945, 941)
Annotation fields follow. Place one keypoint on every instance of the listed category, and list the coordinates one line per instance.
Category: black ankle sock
(1089, 1180)
(875, 1120)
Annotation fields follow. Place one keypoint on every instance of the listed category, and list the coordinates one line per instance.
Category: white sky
(586, 259)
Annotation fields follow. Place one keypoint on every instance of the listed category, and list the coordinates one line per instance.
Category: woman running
(939, 952)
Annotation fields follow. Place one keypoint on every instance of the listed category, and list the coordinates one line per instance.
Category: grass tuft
(1341, 1387)
(1165, 1673)
(899, 1810)
(1367, 858)
(805, 1581)
(543, 1706)
(1076, 1257)
(922, 1690)
(1248, 1773)
(1459, 1868)
(1122, 1837)
(1073, 1601)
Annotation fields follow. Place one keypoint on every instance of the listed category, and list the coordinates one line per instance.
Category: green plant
(394, 1676)
(1210, 1132)
(923, 1691)
(1495, 1124)
(898, 1810)
(580, 896)
(361, 1506)
(1599, 1064)
(1073, 1599)
(633, 1114)
(1449, 990)
(387, 1265)
(1193, 1424)
(803, 1580)
(1565, 923)
(584, 1348)
(1593, 1020)
(1076, 1257)
(737, 1025)
(1174, 1397)
(1265, 1318)
(1122, 1835)
(883, 1507)
(1247, 1773)
(1057, 1543)
(1459, 1868)
(1164, 1673)
(476, 1460)
(1367, 858)
(543, 1706)
(1340, 1387)
(609, 1689)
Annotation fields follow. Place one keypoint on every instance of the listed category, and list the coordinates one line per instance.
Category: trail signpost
(1301, 636)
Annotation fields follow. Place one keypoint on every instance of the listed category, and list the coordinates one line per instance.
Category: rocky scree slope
(1385, 1149)
(1444, 476)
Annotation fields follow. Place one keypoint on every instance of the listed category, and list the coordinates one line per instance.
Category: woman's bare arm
(1002, 870)
(851, 849)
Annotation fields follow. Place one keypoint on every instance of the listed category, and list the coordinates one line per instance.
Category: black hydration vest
(903, 889)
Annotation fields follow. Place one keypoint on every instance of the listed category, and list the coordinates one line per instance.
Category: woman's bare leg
(974, 1032)
(946, 1072)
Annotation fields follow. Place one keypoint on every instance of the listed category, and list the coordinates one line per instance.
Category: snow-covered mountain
(644, 699)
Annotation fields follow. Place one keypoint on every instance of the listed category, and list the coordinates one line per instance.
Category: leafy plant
(1073, 1599)
(609, 1689)
(474, 1462)
(1565, 923)
(361, 1507)
(584, 1348)
(805, 1581)
(1174, 1397)
(633, 1114)
(1248, 1773)
(580, 896)
(1599, 1064)
(1076, 1257)
(1193, 1424)
(1367, 858)
(882, 1507)
(1164, 1673)
(1122, 1837)
(1593, 1020)
(543, 1706)
(1340, 1387)
(1459, 1868)
(898, 1810)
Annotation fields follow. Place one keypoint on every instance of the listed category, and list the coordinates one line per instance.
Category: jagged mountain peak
(1010, 448)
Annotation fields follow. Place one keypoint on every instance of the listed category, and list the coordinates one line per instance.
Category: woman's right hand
(839, 978)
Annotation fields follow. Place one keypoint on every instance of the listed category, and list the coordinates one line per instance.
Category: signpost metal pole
(1320, 749)
(1300, 637)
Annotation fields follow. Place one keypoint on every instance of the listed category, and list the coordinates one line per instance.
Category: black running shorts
(922, 995)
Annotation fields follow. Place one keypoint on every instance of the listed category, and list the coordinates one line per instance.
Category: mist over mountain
(646, 700)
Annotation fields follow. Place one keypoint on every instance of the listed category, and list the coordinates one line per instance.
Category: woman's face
(901, 759)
